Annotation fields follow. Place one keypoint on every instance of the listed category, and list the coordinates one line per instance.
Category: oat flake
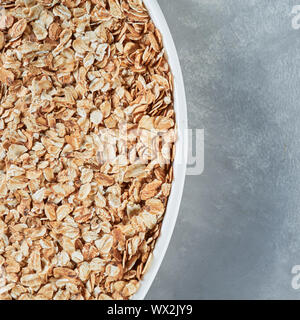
(85, 171)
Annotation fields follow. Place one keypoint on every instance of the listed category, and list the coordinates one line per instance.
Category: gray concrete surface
(238, 233)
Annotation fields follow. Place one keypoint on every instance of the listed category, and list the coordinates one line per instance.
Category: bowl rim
(180, 161)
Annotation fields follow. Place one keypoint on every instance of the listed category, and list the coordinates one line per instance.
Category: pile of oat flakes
(81, 206)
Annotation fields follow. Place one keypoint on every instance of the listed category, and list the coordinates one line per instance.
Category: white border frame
(180, 160)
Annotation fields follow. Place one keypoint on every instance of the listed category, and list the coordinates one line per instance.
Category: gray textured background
(238, 233)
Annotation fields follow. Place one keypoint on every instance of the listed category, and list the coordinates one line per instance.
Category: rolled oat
(86, 138)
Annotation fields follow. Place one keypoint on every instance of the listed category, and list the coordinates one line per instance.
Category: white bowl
(180, 160)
